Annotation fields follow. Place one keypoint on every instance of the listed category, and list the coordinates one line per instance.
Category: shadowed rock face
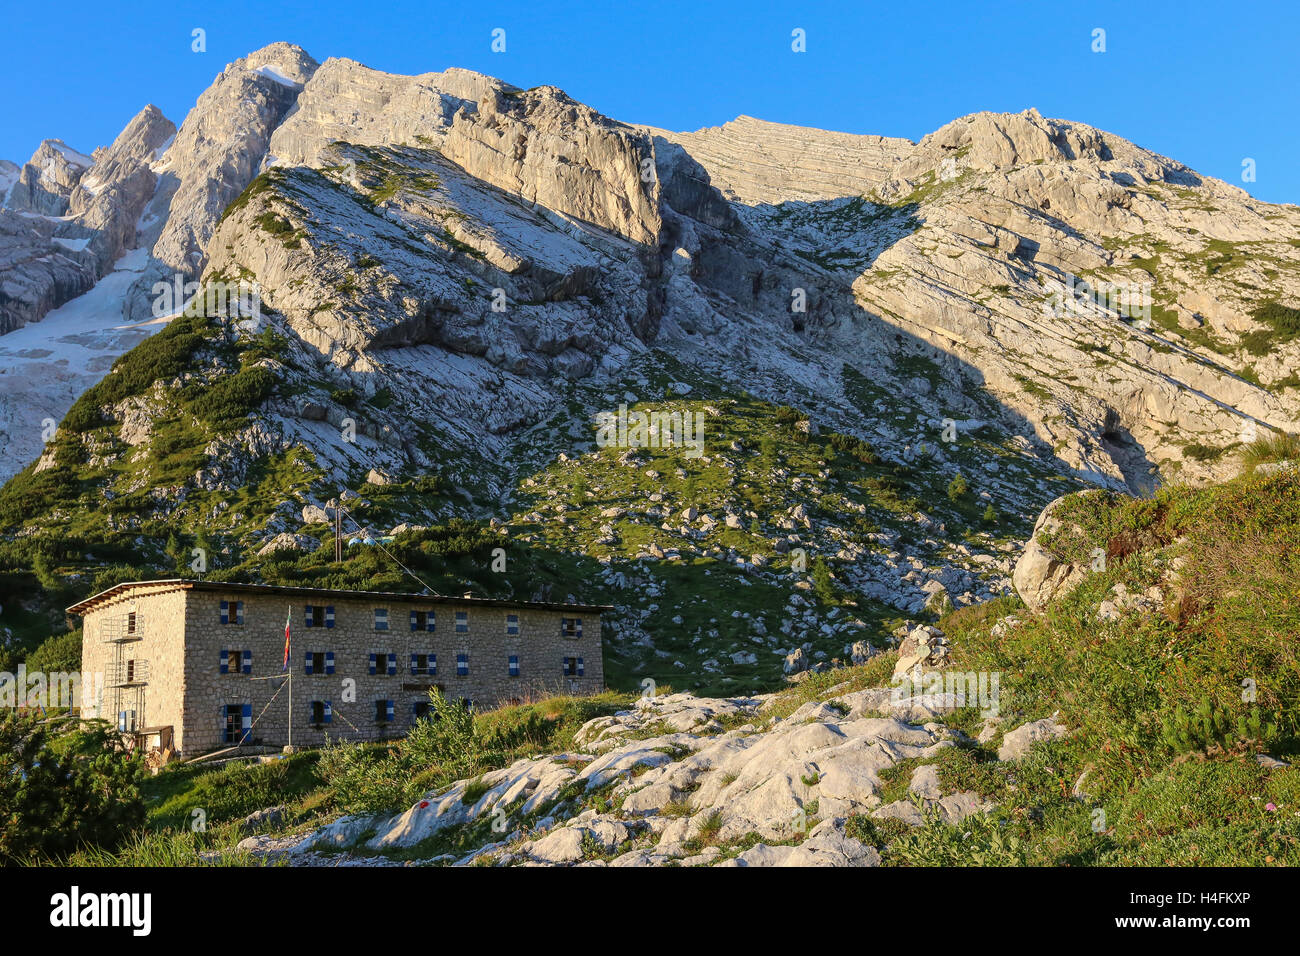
(69, 217)
(453, 217)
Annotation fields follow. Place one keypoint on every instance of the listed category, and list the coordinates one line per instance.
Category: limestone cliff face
(452, 220)
(69, 217)
(538, 144)
(219, 148)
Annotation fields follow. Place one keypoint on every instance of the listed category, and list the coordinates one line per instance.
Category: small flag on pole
(287, 620)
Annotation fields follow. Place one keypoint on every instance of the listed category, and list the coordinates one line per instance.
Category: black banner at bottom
(336, 904)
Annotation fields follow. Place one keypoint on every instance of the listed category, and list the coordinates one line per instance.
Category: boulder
(1039, 575)
(1016, 743)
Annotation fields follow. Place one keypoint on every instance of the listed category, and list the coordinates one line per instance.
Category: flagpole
(287, 655)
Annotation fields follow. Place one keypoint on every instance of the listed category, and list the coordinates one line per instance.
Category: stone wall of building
(351, 690)
(158, 653)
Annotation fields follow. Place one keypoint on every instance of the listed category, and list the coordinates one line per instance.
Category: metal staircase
(126, 677)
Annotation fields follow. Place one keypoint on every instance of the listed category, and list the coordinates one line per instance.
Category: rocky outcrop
(794, 782)
(46, 181)
(1040, 576)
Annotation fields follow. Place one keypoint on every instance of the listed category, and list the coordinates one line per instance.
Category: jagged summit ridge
(956, 241)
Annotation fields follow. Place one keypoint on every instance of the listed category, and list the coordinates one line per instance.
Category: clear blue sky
(1208, 84)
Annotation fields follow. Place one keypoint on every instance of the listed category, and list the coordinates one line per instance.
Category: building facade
(198, 665)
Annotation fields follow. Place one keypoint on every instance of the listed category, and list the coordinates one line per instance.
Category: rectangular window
(319, 662)
(571, 666)
(318, 615)
(381, 619)
(514, 665)
(512, 623)
(420, 709)
(232, 612)
(321, 712)
(383, 711)
(130, 623)
(571, 627)
(423, 620)
(462, 664)
(423, 664)
(232, 662)
(462, 622)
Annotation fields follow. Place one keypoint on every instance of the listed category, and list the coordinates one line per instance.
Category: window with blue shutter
(307, 663)
(390, 710)
(462, 622)
(225, 612)
(512, 623)
(381, 619)
(462, 664)
(415, 620)
(423, 620)
(392, 665)
(246, 723)
(329, 713)
(329, 662)
(239, 612)
(415, 665)
(329, 615)
(373, 659)
(571, 627)
(430, 620)
(224, 662)
(248, 662)
(321, 712)
(433, 664)
(514, 665)
(580, 669)
(308, 616)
